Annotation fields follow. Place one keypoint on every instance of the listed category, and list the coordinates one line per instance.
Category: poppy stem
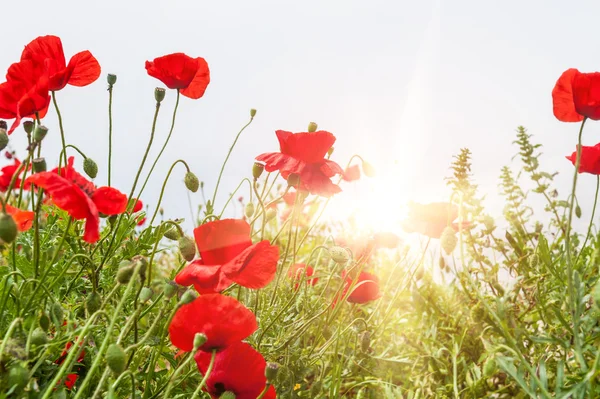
(162, 191)
(206, 375)
(60, 125)
(264, 392)
(589, 230)
(233, 194)
(110, 128)
(227, 158)
(163, 147)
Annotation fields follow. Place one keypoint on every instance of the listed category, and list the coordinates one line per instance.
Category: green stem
(162, 191)
(60, 125)
(206, 375)
(264, 392)
(589, 230)
(110, 128)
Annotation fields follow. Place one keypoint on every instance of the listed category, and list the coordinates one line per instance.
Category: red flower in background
(23, 219)
(303, 155)
(24, 94)
(71, 378)
(228, 256)
(6, 174)
(576, 96)
(46, 52)
(365, 290)
(139, 205)
(351, 173)
(72, 192)
(178, 71)
(431, 219)
(590, 159)
(239, 369)
(221, 318)
(299, 272)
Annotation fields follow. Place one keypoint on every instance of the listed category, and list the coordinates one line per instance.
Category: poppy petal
(563, 103)
(109, 200)
(23, 219)
(201, 79)
(222, 240)
(255, 267)
(84, 68)
(206, 279)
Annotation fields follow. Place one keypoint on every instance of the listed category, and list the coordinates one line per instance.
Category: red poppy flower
(72, 192)
(6, 174)
(576, 95)
(365, 290)
(351, 173)
(300, 271)
(590, 159)
(23, 219)
(228, 256)
(139, 205)
(221, 318)
(46, 52)
(431, 219)
(303, 155)
(71, 378)
(179, 71)
(239, 369)
(24, 94)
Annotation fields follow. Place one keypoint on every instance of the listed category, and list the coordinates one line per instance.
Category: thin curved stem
(589, 230)
(110, 128)
(206, 375)
(60, 125)
(162, 191)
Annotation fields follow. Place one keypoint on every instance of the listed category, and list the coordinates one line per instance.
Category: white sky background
(404, 83)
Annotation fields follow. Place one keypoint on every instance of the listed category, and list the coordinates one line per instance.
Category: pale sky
(406, 81)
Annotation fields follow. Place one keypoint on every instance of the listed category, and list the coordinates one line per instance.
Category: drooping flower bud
(257, 170)
(578, 211)
(365, 341)
(172, 233)
(111, 79)
(145, 294)
(271, 372)
(39, 337)
(57, 314)
(249, 211)
(159, 94)
(312, 127)
(90, 167)
(115, 358)
(339, 255)
(448, 240)
(39, 165)
(28, 126)
(3, 139)
(44, 321)
(93, 303)
(40, 132)
(199, 340)
(252, 112)
(293, 180)
(191, 182)
(188, 297)
(187, 248)
(271, 213)
(8, 228)
(368, 169)
(124, 274)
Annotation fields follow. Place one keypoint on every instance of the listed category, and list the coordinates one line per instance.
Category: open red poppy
(303, 155)
(239, 369)
(431, 219)
(79, 197)
(228, 256)
(576, 96)
(139, 205)
(365, 290)
(299, 272)
(46, 52)
(221, 318)
(23, 219)
(590, 159)
(7, 173)
(179, 71)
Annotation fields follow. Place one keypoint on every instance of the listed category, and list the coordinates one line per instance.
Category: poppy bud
(39, 337)
(3, 139)
(93, 302)
(90, 168)
(249, 211)
(140, 260)
(187, 248)
(145, 294)
(8, 228)
(111, 79)
(169, 289)
(330, 151)
(271, 213)
(172, 233)
(227, 395)
(40, 132)
(191, 182)
(199, 340)
(57, 314)
(578, 211)
(28, 126)
(44, 321)
(271, 372)
(252, 113)
(18, 377)
(312, 127)
(257, 169)
(188, 297)
(159, 94)
(339, 255)
(368, 169)
(448, 240)
(365, 341)
(39, 165)
(115, 358)
(124, 274)
(293, 180)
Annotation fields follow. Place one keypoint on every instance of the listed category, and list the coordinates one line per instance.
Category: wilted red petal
(109, 200)
(239, 369)
(206, 279)
(222, 240)
(84, 69)
(563, 103)
(255, 267)
(222, 319)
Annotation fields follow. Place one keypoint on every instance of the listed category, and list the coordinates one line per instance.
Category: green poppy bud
(40, 132)
(312, 127)
(140, 260)
(271, 372)
(44, 321)
(3, 139)
(111, 79)
(489, 222)
(57, 314)
(368, 169)
(448, 240)
(365, 341)
(115, 358)
(187, 248)
(257, 170)
(8, 228)
(191, 182)
(252, 113)
(578, 211)
(39, 165)
(339, 255)
(199, 340)
(90, 168)
(249, 211)
(188, 297)
(172, 233)
(145, 294)
(159, 94)
(271, 213)
(124, 274)
(93, 303)
(442, 263)
(39, 337)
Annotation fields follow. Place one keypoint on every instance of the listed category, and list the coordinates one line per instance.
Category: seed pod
(293, 180)
(169, 289)
(159, 94)
(312, 127)
(124, 274)
(145, 294)
(339, 255)
(257, 170)
(442, 263)
(187, 248)
(90, 168)
(39, 165)
(140, 261)
(111, 79)
(8, 228)
(252, 112)
(330, 151)
(271, 372)
(93, 303)
(188, 297)
(40, 132)
(3, 139)
(39, 337)
(199, 340)
(368, 169)
(115, 358)
(448, 240)
(191, 182)
(57, 314)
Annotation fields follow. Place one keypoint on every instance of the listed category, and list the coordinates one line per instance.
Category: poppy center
(219, 388)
